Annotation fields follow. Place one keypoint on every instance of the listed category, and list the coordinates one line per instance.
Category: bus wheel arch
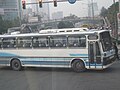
(16, 64)
(78, 65)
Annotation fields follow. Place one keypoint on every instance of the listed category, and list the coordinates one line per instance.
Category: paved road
(60, 79)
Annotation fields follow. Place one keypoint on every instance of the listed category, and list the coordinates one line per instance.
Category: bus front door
(94, 54)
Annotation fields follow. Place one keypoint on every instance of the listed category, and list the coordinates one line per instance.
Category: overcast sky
(79, 8)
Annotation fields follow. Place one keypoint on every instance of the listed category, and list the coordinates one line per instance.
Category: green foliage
(111, 13)
(103, 12)
(65, 24)
(1, 25)
(71, 17)
(5, 24)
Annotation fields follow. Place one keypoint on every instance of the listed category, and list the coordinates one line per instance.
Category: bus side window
(0, 42)
(20, 43)
(5, 42)
(51, 43)
(12, 43)
(35, 42)
(8, 42)
(27, 42)
(43, 42)
(73, 41)
(76, 41)
(82, 41)
(60, 41)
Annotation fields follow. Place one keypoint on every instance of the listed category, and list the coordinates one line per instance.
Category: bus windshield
(106, 41)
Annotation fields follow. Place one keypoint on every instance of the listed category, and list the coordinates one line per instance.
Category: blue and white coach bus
(73, 48)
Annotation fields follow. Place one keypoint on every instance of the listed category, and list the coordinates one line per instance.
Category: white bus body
(74, 49)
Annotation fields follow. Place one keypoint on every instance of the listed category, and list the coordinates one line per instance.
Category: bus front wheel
(16, 65)
(78, 66)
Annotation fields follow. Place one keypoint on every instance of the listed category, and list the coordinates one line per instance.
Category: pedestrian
(116, 50)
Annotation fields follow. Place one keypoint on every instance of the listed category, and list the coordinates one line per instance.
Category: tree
(71, 17)
(65, 24)
(111, 12)
(1, 25)
(61, 25)
(5, 24)
(104, 12)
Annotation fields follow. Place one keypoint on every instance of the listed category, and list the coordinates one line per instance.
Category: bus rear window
(92, 37)
(106, 41)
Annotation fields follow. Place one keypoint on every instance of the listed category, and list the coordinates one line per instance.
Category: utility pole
(89, 10)
(48, 12)
(19, 11)
(92, 11)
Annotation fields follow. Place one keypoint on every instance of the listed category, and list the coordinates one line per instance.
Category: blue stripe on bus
(55, 63)
(80, 55)
(4, 62)
(46, 62)
(93, 64)
(49, 59)
(9, 54)
(3, 54)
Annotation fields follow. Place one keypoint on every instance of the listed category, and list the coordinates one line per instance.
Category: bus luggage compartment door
(94, 54)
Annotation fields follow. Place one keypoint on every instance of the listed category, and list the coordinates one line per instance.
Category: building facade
(93, 9)
(57, 15)
(10, 9)
(43, 11)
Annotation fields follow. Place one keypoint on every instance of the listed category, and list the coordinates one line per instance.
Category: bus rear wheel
(16, 65)
(78, 66)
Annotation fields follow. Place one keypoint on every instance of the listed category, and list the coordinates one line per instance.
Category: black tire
(16, 65)
(78, 66)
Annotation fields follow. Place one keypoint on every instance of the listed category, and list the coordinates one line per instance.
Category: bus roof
(67, 31)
